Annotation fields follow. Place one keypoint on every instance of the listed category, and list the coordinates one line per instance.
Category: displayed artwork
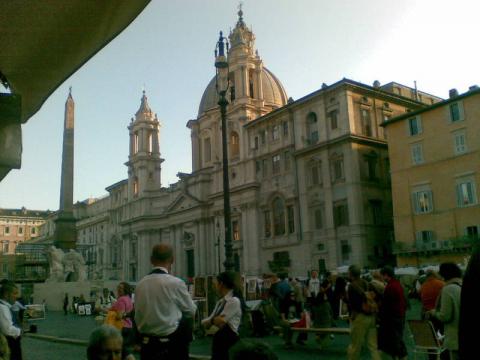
(199, 287)
(81, 309)
(88, 309)
(252, 285)
(35, 312)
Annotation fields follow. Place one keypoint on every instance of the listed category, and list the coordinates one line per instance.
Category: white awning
(42, 43)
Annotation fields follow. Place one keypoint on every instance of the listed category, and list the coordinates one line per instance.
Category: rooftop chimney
(452, 93)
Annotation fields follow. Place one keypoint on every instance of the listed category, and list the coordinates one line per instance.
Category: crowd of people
(160, 323)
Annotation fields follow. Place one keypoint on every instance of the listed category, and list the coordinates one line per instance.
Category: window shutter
(470, 193)
(461, 113)
(430, 200)
(459, 194)
(415, 201)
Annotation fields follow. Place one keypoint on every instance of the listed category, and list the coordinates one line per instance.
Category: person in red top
(391, 317)
(430, 291)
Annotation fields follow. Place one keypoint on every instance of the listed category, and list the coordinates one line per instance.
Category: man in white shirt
(313, 286)
(163, 310)
(8, 296)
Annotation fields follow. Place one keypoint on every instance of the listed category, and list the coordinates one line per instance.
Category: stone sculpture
(55, 259)
(68, 267)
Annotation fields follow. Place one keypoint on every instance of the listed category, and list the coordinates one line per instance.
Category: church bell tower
(144, 161)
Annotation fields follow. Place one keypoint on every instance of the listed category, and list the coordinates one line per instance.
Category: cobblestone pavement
(79, 328)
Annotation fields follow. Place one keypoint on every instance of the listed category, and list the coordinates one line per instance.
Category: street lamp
(221, 86)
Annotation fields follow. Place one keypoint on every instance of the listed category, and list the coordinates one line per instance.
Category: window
(286, 159)
(150, 142)
(133, 250)
(333, 117)
(5, 247)
(414, 126)
(315, 172)
(258, 167)
(135, 189)
(135, 143)
(234, 145)
(285, 128)
(20, 230)
(337, 169)
(255, 146)
(250, 84)
(340, 213)
(276, 132)
(366, 122)
(207, 149)
(231, 80)
(472, 232)
(7, 230)
(278, 217)
(466, 194)
(422, 201)
(455, 112)
(371, 162)
(235, 230)
(263, 137)
(312, 128)
(264, 168)
(417, 153)
(276, 164)
(345, 249)
(267, 224)
(318, 218)
(190, 255)
(459, 142)
(376, 209)
(290, 219)
(424, 239)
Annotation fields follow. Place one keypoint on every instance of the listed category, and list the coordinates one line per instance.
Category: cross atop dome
(240, 14)
(144, 107)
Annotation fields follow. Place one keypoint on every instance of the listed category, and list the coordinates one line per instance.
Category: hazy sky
(168, 50)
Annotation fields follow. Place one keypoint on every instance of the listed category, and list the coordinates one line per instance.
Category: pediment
(182, 202)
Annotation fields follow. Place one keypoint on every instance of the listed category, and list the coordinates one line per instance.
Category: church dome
(273, 93)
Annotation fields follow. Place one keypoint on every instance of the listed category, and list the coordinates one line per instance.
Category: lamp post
(221, 85)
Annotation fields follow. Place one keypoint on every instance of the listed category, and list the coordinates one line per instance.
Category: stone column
(65, 230)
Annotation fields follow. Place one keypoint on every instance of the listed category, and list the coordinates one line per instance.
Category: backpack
(369, 305)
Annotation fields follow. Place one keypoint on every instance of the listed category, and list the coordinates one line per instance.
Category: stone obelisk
(65, 232)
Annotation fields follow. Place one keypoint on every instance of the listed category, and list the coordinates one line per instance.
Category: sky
(169, 51)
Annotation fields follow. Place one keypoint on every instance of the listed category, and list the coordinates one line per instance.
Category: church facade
(309, 180)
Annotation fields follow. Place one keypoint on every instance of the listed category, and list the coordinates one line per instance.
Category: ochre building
(435, 170)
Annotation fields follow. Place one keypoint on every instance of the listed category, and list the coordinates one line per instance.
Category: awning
(42, 43)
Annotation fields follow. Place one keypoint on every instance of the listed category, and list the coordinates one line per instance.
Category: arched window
(278, 216)
(150, 142)
(135, 187)
(312, 128)
(234, 144)
(135, 143)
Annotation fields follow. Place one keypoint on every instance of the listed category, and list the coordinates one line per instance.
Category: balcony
(433, 247)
